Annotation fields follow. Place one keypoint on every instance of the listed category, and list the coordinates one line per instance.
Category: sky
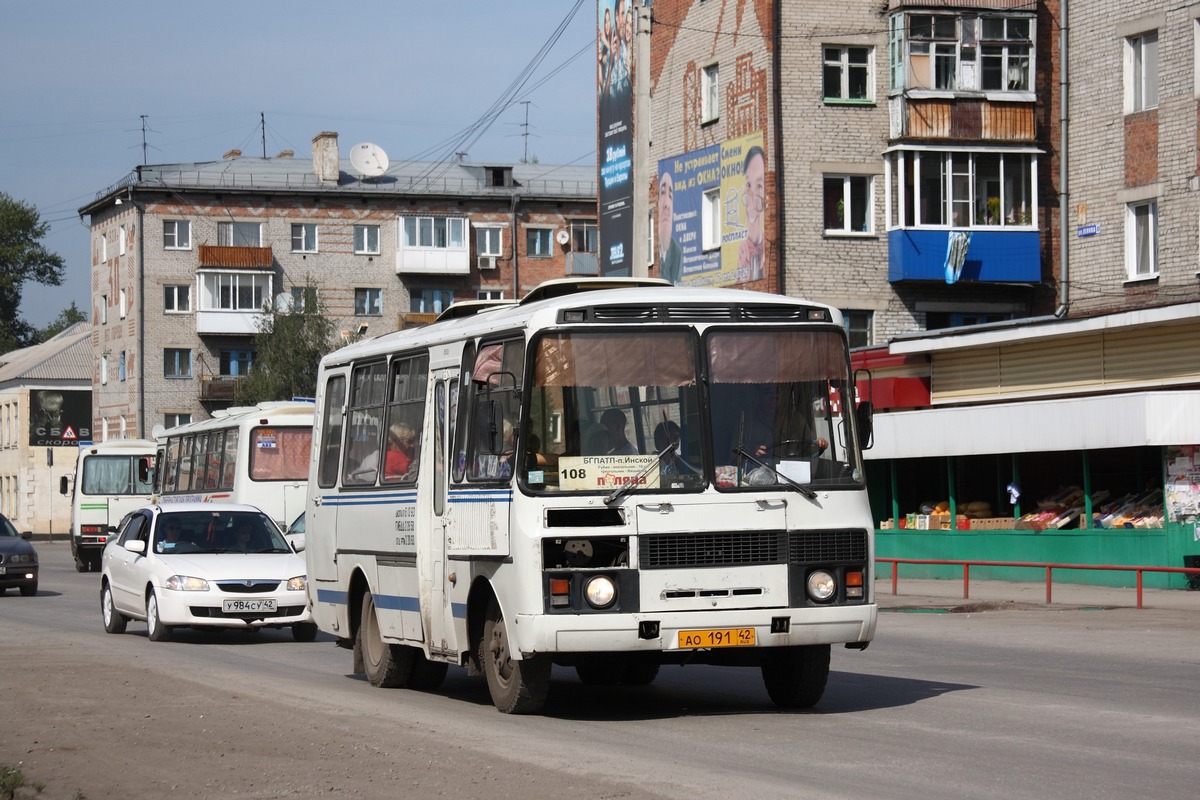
(79, 80)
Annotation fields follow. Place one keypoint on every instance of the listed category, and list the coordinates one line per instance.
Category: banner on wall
(710, 222)
(59, 418)
(614, 87)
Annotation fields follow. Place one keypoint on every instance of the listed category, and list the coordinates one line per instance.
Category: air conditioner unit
(487, 262)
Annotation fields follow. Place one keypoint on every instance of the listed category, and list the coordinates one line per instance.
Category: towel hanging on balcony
(956, 254)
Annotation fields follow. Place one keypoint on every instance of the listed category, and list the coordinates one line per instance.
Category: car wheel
(387, 665)
(113, 621)
(29, 590)
(516, 686)
(304, 631)
(157, 631)
(795, 677)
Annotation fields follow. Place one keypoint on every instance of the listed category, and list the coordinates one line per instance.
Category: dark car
(18, 560)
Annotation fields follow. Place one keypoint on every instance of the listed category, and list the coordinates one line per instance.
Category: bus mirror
(495, 431)
(64, 485)
(865, 416)
(143, 470)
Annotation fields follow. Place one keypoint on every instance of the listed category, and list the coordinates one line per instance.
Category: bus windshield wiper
(620, 491)
(799, 487)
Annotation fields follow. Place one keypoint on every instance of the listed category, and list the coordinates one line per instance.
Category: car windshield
(6, 528)
(297, 526)
(178, 532)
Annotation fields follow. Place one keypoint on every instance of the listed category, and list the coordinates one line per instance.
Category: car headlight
(600, 592)
(186, 583)
(821, 586)
(22, 558)
(297, 583)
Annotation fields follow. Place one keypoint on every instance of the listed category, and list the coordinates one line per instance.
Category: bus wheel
(601, 669)
(113, 621)
(795, 676)
(387, 665)
(640, 673)
(517, 687)
(427, 676)
(154, 626)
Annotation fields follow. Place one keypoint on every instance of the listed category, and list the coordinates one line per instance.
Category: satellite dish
(563, 237)
(368, 159)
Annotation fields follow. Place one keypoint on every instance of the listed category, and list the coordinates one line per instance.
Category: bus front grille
(750, 548)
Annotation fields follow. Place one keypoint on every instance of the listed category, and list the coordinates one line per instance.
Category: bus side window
(405, 419)
(365, 427)
(331, 430)
(495, 400)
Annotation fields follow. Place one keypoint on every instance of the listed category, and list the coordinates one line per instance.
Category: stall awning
(1078, 423)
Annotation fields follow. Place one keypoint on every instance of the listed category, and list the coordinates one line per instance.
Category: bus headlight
(821, 585)
(600, 591)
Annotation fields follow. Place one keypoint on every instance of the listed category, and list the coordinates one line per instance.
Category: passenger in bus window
(614, 420)
(597, 441)
(401, 453)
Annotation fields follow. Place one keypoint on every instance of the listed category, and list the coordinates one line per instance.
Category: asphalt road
(1022, 702)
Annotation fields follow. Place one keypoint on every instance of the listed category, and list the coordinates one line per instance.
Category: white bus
(111, 479)
(606, 478)
(249, 454)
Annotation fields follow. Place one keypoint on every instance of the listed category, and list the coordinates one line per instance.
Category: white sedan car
(203, 565)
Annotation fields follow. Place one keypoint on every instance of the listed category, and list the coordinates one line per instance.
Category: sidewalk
(924, 593)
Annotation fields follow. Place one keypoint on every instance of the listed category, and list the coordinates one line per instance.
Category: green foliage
(11, 779)
(22, 258)
(65, 319)
(288, 350)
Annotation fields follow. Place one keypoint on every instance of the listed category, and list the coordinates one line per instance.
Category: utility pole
(262, 123)
(525, 127)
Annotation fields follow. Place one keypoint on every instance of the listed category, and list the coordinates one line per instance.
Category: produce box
(941, 522)
(993, 524)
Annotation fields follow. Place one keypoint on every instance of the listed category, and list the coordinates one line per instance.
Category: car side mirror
(135, 546)
(27, 535)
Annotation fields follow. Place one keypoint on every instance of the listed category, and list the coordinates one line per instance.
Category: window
(489, 241)
(710, 106)
(124, 304)
(177, 298)
(585, 237)
(489, 294)
(537, 242)
(234, 291)
(963, 190)
(177, 363)
(435, 232)
(103, 247)
(431, 301)
(710, 221)
(104, 309)
(405, 419)
(933, 51)
(304, 237)
(1141, 239)
(235, 363)
(364, 433)
(366, 239)
(175, 420)
(121, 240)
(858, 327)
(848, 204)
(239, 234)
(1004, 49)
(121, 367)
(303, 296)
(368, 302)
(1141, 62)
(848, 73)
(177, 234)
(104, 369)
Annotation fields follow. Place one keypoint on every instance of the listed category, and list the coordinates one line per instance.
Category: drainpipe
(143, 433)
(516, 271)
(777, 102)
(1064, 260)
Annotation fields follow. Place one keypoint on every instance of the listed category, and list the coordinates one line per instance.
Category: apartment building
(186, 257)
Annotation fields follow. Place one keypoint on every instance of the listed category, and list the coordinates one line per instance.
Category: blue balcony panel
(993, 256)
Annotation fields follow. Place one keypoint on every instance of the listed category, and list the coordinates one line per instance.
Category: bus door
(320, 523)
(442, 587)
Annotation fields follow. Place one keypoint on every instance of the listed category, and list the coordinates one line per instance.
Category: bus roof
(601, 300)
(282, 412)
(119, 446)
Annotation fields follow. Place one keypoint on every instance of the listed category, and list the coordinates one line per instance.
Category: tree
(22, 258)
(288, 350)
(65, 319)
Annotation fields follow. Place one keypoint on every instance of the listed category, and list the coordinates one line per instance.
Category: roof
(66, 357)
(402, 178)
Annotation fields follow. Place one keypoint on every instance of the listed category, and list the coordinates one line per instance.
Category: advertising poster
(60, 418)
(614, 86)
(743, 209)
(682, 182)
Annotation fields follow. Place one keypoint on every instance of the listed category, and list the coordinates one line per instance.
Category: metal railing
(1048, 567)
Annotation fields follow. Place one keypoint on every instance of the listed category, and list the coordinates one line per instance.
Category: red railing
(966, 565)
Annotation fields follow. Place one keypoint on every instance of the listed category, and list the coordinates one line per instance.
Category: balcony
(414, 319)
(918, 254)
(582, 264)
(220, 388)
(961, 118)
(433, 261)
(212, 255)
(232, 323)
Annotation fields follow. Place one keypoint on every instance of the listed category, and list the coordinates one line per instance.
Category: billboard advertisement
(711, 220)
(60, 417)
(614, 86)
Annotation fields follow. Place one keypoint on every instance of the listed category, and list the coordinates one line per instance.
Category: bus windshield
(112, 475)
(613, 409)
